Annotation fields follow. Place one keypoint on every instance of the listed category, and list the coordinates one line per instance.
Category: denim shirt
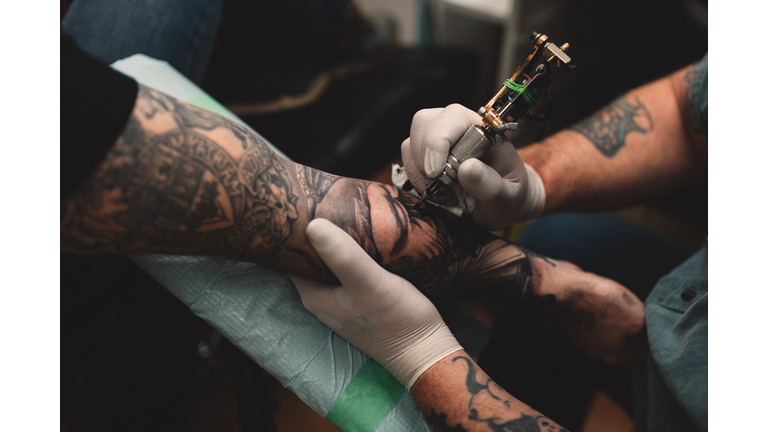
(675, 382)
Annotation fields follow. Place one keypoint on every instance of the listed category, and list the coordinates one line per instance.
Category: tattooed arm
(456, 395)
(182, 180)
(394, 324)
(644, 144)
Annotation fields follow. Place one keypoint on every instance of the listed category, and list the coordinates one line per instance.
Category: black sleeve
(96, 102)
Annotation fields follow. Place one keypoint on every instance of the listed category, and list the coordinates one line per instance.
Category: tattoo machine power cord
(512, 102)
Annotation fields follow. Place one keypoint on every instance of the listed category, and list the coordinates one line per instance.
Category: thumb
(485, 184)
(346, 259)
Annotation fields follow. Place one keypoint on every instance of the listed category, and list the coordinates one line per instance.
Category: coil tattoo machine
(511, 103)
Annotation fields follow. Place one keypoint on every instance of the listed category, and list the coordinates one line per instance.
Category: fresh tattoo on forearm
(489, 407)
(437, 252)
(608, 128)
(182, 180)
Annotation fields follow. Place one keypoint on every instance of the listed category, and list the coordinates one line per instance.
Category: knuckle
(421, 116)
(405, 147)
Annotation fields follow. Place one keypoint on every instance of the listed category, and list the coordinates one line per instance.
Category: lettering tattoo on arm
(607, 129)
(182, 180)
(490, 406)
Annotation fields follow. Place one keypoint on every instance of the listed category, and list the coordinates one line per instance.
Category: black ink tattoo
(168, 186)
(485, 406)
(534, 254)
(608, 128)
(525, 423)
(453, 259)
(315, 185)
(690, 103)
(181, 188)
(439, 423)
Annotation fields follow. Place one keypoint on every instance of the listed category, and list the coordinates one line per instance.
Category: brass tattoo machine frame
(512, 102)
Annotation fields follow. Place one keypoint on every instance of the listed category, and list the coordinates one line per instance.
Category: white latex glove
(507, 190)
(380, 313)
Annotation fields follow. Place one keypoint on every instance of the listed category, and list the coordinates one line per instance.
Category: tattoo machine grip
(511, 103)
(473, 144)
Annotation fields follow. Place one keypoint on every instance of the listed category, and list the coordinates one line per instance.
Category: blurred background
(134, 358)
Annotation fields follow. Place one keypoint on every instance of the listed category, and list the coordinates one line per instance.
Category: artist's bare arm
(456, 395)
(645, 144)
(182, 180)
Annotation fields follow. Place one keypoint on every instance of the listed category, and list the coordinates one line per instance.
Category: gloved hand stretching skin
(505, 191)
(391, 321)
(379, 312)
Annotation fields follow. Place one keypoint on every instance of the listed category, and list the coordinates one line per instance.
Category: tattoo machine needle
(513, 101)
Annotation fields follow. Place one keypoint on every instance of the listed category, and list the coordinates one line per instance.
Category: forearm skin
(181, 180)
(456, 395)
(641, 146)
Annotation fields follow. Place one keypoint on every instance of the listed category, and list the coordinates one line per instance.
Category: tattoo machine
(513, 101)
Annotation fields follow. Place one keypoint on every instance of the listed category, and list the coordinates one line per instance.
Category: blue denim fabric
(181, 32)
(701, 92)
(676, 379)
(674, 394)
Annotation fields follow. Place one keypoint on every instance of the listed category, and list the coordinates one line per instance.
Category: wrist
(535, 199)
(439, 376)
(408, 366)
(549, 159)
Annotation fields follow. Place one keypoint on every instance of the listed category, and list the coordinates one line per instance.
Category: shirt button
(688, 294)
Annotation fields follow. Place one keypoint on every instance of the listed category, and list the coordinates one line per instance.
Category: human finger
(442, 132)
(421, 121)
(354, 268)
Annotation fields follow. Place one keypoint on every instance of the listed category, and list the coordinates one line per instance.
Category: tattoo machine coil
(512, 102)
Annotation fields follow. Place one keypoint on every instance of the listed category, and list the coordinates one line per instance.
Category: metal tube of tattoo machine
(512, 102)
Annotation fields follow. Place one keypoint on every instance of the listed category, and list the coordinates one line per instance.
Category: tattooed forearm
(608, 129)
(475, 403)
(183, 180)
(315, 185)
(168, 185)
(434, 250)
